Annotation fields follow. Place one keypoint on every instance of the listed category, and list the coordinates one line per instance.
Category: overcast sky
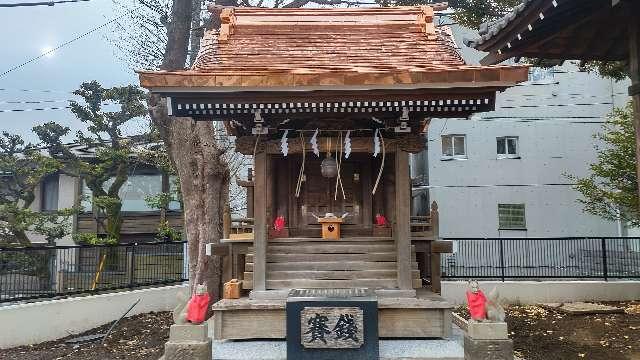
(26, 32)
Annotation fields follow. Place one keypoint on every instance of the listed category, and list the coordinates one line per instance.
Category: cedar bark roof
(258, 47)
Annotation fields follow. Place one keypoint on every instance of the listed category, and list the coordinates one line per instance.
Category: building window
(454, 147)
(174, 185)
(508, 147)
(542, 76)
(49, 193)
(137, 188)
(511, 217)
(134, 193)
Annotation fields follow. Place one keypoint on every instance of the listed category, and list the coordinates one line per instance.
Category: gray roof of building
(491, 28)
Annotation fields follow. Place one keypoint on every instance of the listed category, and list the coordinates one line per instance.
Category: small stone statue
(495, 311)
(483, 308)
(477, 302)
(180, 311)
(198, 305)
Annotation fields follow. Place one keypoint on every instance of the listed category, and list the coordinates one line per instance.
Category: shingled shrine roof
(258, 47)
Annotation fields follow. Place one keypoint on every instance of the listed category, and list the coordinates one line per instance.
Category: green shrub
(166, 232)
(93, 239)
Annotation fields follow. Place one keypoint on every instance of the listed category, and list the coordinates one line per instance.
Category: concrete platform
(445, 349)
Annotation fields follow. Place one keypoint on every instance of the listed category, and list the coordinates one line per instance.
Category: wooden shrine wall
(358, 174)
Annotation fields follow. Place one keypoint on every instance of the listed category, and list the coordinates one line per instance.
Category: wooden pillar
(226, 221)
(260, 222)
(634, 73)
(402, 227)
(434, 260)
(250, 193)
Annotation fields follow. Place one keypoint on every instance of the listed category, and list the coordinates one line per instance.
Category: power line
(104, 103)
(36, 109)
(41, 3)
(62, 45)
(37, 90)
(33, 101)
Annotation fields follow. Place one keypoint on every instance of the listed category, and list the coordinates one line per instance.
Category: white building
(502, 173)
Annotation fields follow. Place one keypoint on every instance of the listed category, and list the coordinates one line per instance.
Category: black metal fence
(543, 258)
(49, 271)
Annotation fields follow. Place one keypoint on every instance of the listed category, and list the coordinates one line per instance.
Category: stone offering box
(332, 324)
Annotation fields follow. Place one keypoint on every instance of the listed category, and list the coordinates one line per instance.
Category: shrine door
(317, 197)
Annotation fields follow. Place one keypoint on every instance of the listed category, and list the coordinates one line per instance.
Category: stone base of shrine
(427, 315)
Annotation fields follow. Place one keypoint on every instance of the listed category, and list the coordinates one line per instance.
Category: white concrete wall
(68, 189)
(67, 194)
(34, 323)
(555, 119)
(533, 292)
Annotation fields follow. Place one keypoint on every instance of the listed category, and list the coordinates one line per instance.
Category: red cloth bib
(197, 308)
(477, 305)
(381, 220)
(278, 223)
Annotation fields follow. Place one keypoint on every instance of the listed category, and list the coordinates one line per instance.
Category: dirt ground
(139, 337)
(541, 334)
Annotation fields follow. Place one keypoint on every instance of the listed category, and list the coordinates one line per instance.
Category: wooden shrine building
(331, 102)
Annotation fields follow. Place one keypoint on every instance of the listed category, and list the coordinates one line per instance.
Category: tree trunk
(198, 159)
(634, 73)
(114, 221)
(178, 32)
(204, 177)
(20, 237)
(196, 35)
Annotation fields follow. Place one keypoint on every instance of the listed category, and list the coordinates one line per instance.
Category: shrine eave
(454, 77)
(332, 102)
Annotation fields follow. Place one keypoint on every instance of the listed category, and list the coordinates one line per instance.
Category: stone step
(308, 258)
(350, 239)
(330, 265)
(331, 275)
(323, 248)
(330, 243)
(421, 224)
(322, 284)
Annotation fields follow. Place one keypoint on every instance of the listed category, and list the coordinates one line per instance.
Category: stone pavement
(448, 349)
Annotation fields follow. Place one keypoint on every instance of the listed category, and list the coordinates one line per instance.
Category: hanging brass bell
(329, 167)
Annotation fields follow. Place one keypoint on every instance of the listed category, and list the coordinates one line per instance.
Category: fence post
(605, 267)
(501, 259)
(131, 264)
